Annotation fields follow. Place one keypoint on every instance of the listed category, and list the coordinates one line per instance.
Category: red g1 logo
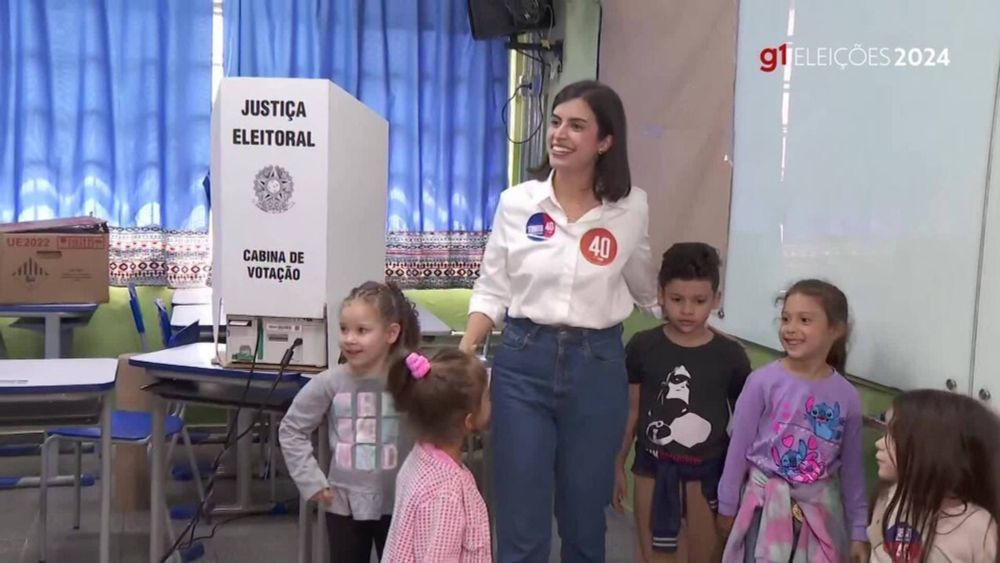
(599, 247)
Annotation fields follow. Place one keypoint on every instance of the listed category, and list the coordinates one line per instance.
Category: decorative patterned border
(434, 260)
(153, 256)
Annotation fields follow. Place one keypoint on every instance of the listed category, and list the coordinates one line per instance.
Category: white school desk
(183, 315)
(192, 296)
(195, 363)
(430, 325)
(53, 316)
(47, 383)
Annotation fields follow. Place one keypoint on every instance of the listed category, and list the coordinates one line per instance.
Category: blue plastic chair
(140, 326)
(127, 427)
(172, 338)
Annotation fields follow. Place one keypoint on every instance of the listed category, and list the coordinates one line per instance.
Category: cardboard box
(54, 261)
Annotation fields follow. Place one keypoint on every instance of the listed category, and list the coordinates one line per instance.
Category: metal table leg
(53, 335)
(106, 479)
(244, 475)
(43, 507)
(304, 531)
(158, 467)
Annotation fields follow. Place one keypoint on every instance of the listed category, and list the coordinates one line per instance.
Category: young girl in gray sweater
(377, 322)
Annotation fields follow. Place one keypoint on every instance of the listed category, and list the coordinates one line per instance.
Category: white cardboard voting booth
(299, 175)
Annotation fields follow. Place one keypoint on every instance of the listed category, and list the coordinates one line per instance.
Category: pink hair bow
(419, 365)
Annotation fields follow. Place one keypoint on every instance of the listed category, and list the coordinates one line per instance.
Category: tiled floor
(269, 539)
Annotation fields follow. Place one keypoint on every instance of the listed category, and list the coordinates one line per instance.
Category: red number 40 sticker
(599, 247)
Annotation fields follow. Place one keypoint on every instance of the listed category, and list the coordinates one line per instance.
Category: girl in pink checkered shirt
(439, 515)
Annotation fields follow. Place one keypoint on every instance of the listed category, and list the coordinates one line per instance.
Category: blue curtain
(105, 109)
(415, 63)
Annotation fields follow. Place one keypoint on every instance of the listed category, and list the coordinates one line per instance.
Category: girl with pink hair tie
(439, 514)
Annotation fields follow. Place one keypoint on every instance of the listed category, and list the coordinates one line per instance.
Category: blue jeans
(560, 400)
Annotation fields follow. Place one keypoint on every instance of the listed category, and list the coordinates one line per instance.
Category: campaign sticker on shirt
(599, 246)
(903, 543)
(540, 227)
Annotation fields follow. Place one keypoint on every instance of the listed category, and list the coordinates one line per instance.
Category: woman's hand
(859, 552)
(477, 327)
(467, 345)
(620, 492)
(324, 496)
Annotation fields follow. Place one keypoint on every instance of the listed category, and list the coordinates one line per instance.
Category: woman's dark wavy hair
(612, 176)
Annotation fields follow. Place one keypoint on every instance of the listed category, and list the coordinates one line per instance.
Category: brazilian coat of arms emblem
(272, 188)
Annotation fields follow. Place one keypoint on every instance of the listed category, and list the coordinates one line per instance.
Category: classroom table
(53, 316)
(430, 325)
(190, 374)
(192, 296)
(39, 394)
(182, 315)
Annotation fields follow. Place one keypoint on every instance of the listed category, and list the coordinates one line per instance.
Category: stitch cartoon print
(799, 464)
(825, 420)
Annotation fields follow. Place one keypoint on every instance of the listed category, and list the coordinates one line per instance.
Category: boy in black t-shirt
(684, 380)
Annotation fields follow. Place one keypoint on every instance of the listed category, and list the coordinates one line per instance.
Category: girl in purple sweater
(793, 487)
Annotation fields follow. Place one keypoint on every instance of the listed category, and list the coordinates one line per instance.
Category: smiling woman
(586, 121)
(566, 262)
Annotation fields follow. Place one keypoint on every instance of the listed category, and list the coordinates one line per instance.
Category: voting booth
(299, 175)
